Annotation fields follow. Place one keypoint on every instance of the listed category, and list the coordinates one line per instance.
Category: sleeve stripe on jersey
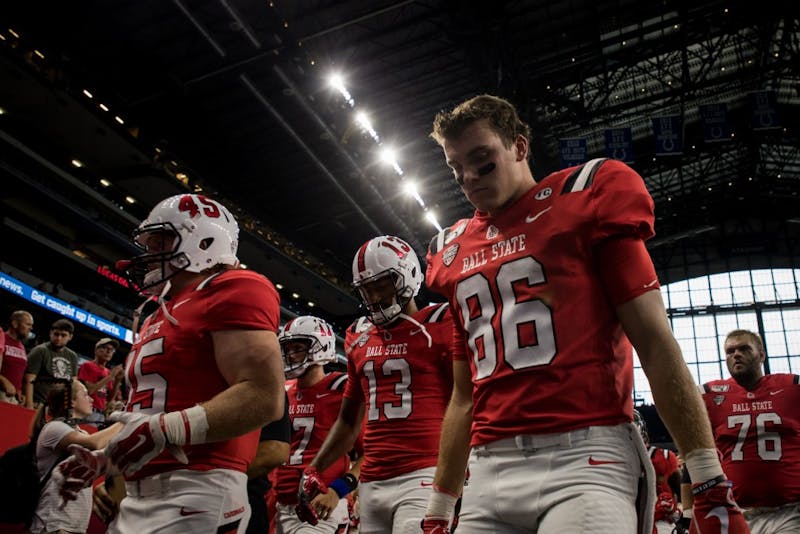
(437, 314)
(582, 177)
(796, 379)
(437, 243)
(338, 384)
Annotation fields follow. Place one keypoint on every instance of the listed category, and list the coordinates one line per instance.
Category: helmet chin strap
(420, 325)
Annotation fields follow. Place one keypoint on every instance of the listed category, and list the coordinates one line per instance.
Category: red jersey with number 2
(172, 366)
(545, 347)
(758, 433)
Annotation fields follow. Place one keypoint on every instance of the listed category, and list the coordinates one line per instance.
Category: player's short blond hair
(501, 114)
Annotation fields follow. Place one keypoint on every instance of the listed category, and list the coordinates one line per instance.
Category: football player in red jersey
(668, 481)
(399, 379)
(548, 282)
(308, 343)
(204, 374)
(756, 425)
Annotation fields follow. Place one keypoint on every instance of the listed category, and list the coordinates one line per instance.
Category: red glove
(667, 508)
(306, 513)
(311, 485)
(78, 471)
(435, 525)
(140, 440)
(715, 511)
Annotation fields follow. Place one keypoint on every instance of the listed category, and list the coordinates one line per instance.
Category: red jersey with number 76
(758, 433)
(172, 365)
(534, 320)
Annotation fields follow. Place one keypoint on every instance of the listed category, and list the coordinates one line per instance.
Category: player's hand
(103, 505)
(435, 525)
(305, 512)
(140, 440)
(78, 471)
(714, 507)
(311, 485)
(667, 507)
(325, 503)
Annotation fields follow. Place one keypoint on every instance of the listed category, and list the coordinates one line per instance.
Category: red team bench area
(16, 423)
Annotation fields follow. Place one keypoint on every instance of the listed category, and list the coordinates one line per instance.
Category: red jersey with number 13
(172, 366)
(404, 375)
(542, 338)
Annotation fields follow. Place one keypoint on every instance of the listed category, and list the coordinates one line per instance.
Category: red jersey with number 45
(758, 433)
(313, 411)
(539, 330)
(172, 365)
(404, 375)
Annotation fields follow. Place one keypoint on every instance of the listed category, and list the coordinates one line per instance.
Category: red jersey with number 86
(534, 320)
(172, 366)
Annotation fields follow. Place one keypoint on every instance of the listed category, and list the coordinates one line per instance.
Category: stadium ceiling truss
(246, 78)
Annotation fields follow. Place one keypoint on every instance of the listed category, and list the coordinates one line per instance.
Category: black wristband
(708, 484)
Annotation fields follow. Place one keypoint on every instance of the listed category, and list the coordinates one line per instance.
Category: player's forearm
(454, 446)
(677, 398)
(242, 408)
(337, 443)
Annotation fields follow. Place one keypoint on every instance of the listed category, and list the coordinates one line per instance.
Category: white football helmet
(320, 339)
(183, 233)
(381, 257)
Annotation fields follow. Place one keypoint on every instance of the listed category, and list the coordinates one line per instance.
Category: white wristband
(186, 427)
(441, 504)
(703, 465)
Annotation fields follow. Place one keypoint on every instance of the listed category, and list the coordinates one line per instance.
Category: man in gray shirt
(48, 361)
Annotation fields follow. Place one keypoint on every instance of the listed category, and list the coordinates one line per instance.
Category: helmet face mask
(386, 276)
(312, 333)
(182, 233)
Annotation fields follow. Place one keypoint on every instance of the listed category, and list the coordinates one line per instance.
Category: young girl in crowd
(64, 406)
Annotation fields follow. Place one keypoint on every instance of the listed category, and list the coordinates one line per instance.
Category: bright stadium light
(389, 156)
(337, 82)
(410, 188)
(432, 218)
(366, 125)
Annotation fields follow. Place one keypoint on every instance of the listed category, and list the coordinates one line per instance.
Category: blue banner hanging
(619, 144)
(715, 123)
(668, 132)
(573, 151)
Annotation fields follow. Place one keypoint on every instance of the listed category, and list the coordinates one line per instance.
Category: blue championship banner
(619, 144)
(573, 151)
(764, 109)
(668, 132)
(715, 123)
